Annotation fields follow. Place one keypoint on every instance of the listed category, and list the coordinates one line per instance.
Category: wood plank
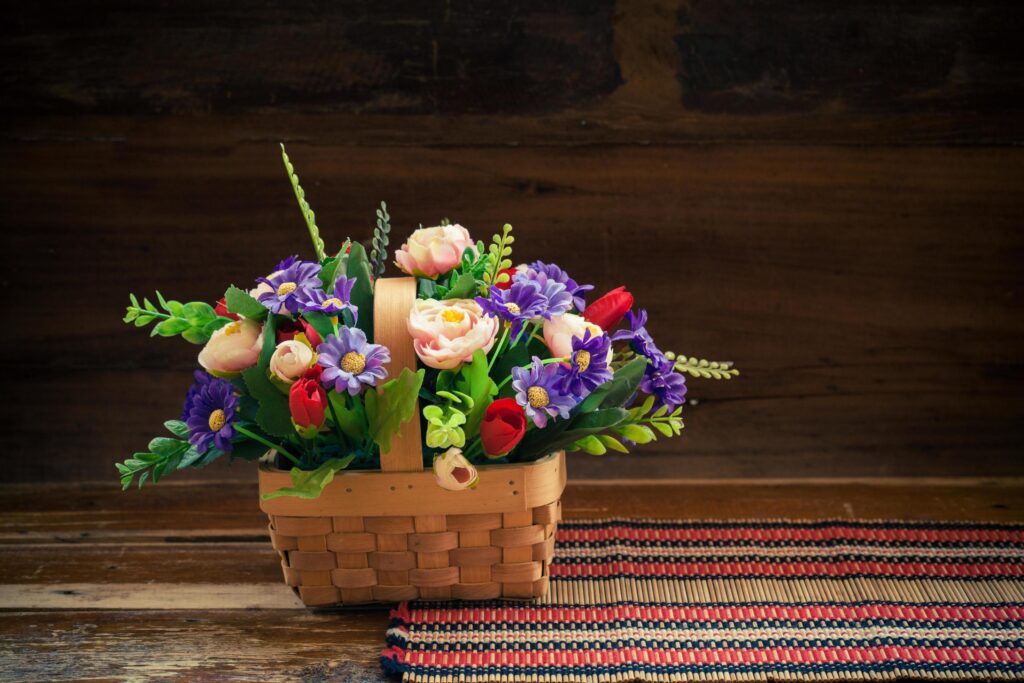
(842, 280)
(191, 645)
(928, 70)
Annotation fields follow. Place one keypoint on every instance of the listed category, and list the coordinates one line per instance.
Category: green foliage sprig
(164, 454)
(195, 321)
(639, 427)
(379, 252)
(698, 367)
(311, 483)
(498, 258)
(307, 212)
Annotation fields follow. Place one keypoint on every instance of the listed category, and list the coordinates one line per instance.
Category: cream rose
(560, 330)
(454, 472)
(447, 333)
(433, 251)
(291, 358)
(232, 348)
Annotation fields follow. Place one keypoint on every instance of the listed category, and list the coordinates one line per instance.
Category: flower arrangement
(515, 364)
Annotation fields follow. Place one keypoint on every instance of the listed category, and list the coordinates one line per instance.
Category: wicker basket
(396, 535)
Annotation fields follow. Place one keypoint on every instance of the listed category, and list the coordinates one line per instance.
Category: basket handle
(393, 298)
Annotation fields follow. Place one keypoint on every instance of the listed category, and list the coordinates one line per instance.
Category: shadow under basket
(392, 536)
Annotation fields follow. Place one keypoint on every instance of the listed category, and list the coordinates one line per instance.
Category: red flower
(307, 401)
(608, 311)
(287, 330)
(507, 284)
(503, 427)
(222, 309)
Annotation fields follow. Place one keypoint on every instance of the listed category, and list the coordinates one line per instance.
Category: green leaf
(616, 392)
(247, 450)
(269, 343)
(178, 428)
(638, 433)
(321, 322)
(307, 212)
(662, 427)
(241, 303)
(334, 266)
(591, 445)
(312, 483)
(352, 421)
(395, 403)
(199, 312)
(612, 443)
(163, 445)
(704, 369)
(562, 433)
(171, 327)
(379, 253)
(362, 292)
(273, 416)
(473, 381)
(463, 288)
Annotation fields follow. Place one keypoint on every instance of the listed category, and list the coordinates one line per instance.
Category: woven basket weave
(396, 535)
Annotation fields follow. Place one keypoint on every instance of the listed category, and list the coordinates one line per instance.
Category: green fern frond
(498, 257)
(698, 367)
(379, 252)
(307, 213)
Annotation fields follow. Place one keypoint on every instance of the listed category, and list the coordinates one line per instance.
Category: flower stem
(498, 350)
(337, 423)
(259, 439)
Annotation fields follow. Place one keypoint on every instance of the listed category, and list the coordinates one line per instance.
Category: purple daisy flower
(577, 291)
(290, 286)
(286, 263)
(517, 305)
(212, 410)
(588, 364)
(638, 337)
(332, 304)
(557, 299)
(350, 362)
(539, 390)
(664, 384)
(201, 380)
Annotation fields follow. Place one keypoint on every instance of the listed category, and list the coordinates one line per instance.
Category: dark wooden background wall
(829, 194)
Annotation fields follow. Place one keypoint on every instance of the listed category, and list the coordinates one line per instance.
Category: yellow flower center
(217, 420)
(513, 308)
(537, 397)
(333, 301)
(233, 328)
(583, 360)
(453, 315)
(286, 288)
(353, 363)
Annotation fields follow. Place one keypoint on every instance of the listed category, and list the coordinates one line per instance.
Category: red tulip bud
(503, 427)
(307, 401)
(287, 330)
(507, 284)
(608, 311)
(222, 310)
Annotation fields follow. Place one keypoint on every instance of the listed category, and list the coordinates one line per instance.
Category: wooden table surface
(180, 581)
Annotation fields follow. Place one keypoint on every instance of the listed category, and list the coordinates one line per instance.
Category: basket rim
(512, 487)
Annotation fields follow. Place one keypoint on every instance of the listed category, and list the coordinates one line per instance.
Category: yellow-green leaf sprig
(498, 258)
(307, 212)
(704, 369)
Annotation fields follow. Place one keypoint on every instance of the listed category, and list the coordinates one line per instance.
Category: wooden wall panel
(827, 195)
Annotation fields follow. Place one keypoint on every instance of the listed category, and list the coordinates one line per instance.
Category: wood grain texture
(871, 296)
(828, 196)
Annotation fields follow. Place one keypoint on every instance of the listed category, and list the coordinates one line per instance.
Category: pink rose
(445, 334)
(433, 251)
(232, 348)
(560, 330)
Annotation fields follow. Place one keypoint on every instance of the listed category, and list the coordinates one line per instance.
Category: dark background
(828, 194)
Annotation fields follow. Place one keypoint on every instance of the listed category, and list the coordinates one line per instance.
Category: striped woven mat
(724, 601)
